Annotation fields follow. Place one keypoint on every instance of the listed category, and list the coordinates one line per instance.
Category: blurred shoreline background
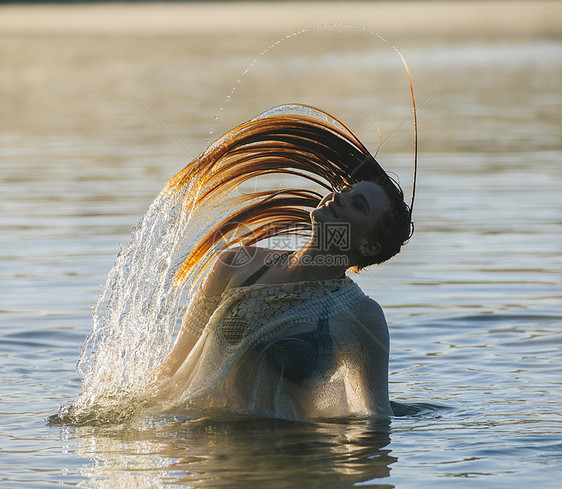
(421, 20)
(60, 61)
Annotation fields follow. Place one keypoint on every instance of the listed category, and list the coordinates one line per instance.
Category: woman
(287, 334)
(282, 333)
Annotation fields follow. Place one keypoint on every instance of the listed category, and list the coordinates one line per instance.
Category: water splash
(136, 313)
(140, 308)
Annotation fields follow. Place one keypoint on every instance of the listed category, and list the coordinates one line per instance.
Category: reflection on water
(473, 302)
(240, 452)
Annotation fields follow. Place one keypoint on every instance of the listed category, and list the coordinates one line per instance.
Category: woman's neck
(311, 262)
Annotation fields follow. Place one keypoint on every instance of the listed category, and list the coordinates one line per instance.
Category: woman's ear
(369, 248)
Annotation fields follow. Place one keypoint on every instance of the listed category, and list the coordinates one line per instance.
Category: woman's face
(360, 206)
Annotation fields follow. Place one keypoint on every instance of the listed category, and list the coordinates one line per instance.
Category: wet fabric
(299, 356)
(290, 350)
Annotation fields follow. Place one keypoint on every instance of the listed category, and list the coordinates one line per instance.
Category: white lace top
(222, 359)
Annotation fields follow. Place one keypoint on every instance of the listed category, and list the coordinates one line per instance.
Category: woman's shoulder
(366, 314)
(373, 321)
(363, 324)
(233, 266)
(369, 308)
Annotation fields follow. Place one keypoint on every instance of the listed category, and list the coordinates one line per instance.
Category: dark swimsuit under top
(299, 356)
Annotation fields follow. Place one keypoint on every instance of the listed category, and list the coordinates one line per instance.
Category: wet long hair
(293, 140)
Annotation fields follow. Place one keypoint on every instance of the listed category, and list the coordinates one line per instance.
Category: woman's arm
(193, 323)
(225, 273)
(372, 352)
(205, 300)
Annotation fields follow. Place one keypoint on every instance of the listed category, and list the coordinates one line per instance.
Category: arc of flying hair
(271, 145)
(415, 116)
(414, 109)
(406, 67)
(310, 144)
(313, 145)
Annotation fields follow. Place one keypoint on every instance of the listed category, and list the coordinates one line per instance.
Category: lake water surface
(92, 127)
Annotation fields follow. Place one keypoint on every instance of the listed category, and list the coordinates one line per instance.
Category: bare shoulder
(232, 267)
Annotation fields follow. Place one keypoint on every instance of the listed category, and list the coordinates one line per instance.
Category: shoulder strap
(252, 279)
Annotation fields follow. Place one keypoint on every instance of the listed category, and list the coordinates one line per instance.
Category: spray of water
(136, 312)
